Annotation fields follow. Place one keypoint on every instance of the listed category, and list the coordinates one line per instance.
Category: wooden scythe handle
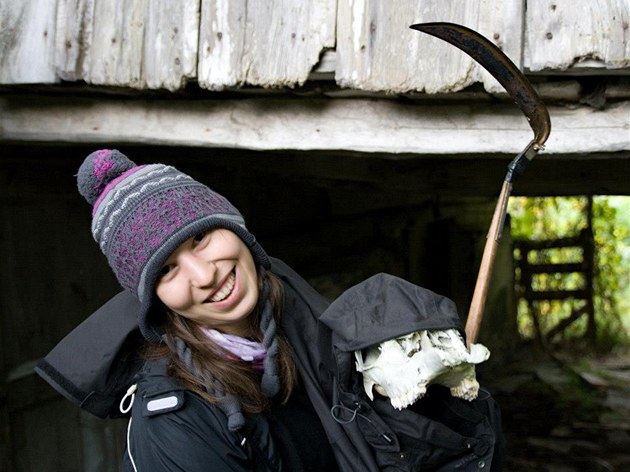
(489, 56)
(475, 313)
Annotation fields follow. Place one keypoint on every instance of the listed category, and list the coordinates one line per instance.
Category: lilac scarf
(249, 351)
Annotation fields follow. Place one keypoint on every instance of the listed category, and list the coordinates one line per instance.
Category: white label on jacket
(162, 403)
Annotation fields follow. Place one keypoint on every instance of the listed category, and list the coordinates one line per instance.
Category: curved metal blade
(488, 55)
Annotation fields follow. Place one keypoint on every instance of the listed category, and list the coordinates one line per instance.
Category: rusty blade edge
(491, 58)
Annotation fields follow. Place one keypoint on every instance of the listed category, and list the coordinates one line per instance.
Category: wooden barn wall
(160, 44)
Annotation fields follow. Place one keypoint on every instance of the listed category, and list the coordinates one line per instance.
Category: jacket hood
(439, 432)
(385, 307)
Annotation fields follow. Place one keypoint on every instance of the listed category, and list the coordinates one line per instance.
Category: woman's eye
(165, 270)
(199, 237)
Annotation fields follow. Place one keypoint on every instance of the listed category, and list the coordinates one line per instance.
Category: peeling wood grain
(271, 43)
(565, 34)
(117, 43)
(73, 38)
(27, 37)
(376, 50)
(170, 43)
(141, 44)
(160, 44)
(384, 126)
(221, 43)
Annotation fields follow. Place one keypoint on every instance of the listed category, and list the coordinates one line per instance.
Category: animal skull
(402, 368)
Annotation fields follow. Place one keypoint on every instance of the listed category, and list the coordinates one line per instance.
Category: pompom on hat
(141, 214)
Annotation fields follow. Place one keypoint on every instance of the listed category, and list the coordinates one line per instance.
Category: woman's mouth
(225, 290)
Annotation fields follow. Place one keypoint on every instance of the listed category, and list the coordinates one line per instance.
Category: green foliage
(560, 217)
(611, 282)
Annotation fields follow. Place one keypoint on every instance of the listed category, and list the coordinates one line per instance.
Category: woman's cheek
(172, 295)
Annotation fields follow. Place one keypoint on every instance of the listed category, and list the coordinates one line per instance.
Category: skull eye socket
(410, 344)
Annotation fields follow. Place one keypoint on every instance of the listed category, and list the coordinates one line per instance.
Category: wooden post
(589, 263)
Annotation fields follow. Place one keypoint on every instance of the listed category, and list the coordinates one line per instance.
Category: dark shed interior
(335, 218)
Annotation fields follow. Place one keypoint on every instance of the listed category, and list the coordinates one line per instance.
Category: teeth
(225, 290)
(408, 397)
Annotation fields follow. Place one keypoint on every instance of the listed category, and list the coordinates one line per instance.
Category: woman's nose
(200, 271)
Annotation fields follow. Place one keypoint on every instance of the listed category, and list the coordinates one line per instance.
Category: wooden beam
(575, 315)
(573, 241)
(536, 295)
(564, 268)
(394, 127)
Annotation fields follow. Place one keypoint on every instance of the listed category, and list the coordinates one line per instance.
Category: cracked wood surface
(222, 44)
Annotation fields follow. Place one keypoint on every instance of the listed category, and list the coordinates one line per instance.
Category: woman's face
(211, 279)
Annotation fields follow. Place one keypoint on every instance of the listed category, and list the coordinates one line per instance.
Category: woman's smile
(225, 290)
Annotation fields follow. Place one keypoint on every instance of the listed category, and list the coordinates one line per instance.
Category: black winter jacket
(174, 429)
(438, 433)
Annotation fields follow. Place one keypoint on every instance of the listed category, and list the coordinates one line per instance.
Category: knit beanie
(141, 214)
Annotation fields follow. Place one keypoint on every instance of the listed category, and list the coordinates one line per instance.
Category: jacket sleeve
(192, 439)
(95, 363)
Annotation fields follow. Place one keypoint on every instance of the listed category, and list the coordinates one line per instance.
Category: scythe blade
(520, 89)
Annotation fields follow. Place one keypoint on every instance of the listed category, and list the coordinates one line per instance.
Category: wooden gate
(582, 297)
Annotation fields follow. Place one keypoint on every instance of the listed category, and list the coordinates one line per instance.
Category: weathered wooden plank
(73, 38)
(170, 43)
(142, 44)
(376, 50)
(537, 245)
(116, 47)
(220, 44)
(555, 294)
(271, 43)
(27, 36)
(367, 125)
(558, 268)
(567, 34)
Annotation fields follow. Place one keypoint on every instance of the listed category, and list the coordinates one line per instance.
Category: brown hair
(234, 375)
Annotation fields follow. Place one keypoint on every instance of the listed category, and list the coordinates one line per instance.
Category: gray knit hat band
(157, 259)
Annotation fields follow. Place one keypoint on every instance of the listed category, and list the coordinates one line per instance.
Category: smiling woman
(209, 313)
(231, 361)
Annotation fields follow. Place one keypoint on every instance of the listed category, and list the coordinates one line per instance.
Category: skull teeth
(466, 390)
(408, 398)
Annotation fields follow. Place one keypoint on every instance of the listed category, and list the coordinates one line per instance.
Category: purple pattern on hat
(154, 221)
(110, 186)
(127, 193)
